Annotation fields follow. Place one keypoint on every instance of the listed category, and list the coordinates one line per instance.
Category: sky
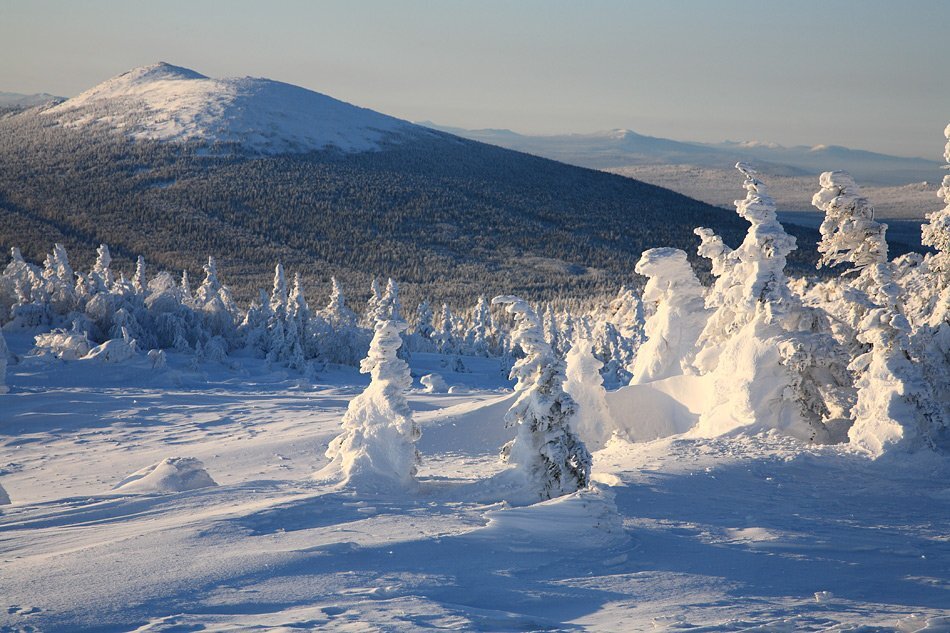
(860, 73)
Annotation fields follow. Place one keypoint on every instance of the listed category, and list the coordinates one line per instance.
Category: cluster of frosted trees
(74, 313)
(863, 357)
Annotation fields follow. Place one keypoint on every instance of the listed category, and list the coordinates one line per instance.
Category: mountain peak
(160, 71)
(169, 103)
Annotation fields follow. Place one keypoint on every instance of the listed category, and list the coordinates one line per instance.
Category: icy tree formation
(376, 450)
(768, 369)
(678, 319)
(546, 451)
(895, 407)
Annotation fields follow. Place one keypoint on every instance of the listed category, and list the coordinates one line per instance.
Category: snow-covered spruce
(677, 319)
(592, 422)
(896, 408)
(546, 452)
(377, 449)
(771, 366)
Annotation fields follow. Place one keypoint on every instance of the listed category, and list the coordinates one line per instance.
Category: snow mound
(115, 350)
(587, 519)
(660, 408)
(4, 497)
(168, 103)
(434, 383)
(173, 474)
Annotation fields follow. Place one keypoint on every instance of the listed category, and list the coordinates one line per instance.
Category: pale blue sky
(862, 73)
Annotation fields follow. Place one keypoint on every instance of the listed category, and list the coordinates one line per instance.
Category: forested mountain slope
(423, 206)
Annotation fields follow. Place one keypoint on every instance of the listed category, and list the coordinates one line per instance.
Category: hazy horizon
(859, 74)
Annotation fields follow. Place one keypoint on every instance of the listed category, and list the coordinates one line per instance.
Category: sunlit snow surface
(168, 103)
(734, 533)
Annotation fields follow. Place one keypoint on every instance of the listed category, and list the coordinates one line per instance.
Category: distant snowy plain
(736, 533)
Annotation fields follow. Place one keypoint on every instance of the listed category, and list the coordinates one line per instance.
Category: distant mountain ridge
(615, 149)
(167, 163)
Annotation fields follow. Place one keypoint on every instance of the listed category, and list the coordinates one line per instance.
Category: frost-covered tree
(390, 308)
(445, 336)
(478, 338)
(336, 313)
(424, 328)
(896, 407)
(615, 351)
(770, 366)
(377, 449)
(138, 280)
(371, 315)
(625, 311)
(678, 316)
(546, 451)
(214, 300)
(593, 421)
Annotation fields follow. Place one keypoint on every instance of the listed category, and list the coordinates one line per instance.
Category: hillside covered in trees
(426, 207)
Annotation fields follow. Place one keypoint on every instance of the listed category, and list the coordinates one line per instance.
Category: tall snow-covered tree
(478, 337)
(377, 449)
(424, 327)
(546, 451)
(445, 335)
(769, 367)
(371, 315)
(678, 316)
(336, 313)
(896, 406)
(138, 280)
(214, 301)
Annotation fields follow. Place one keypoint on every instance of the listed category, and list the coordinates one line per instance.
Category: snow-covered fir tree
(896, 407)
(478, 337)
(371, 314)
(771, 365)
(377, 449)
(445, 336)
(546, 451)
(678, 315)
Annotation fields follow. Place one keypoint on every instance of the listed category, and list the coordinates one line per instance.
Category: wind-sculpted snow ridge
(168, 103)
(173, 474)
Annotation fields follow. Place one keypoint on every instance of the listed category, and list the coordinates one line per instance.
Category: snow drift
(173, 474)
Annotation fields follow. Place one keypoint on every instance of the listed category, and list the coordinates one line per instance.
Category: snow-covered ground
(680, 533)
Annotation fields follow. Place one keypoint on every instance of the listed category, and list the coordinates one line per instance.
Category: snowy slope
(742, 533)
(169, 103)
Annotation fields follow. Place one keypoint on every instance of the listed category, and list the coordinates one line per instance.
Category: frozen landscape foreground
(739, 532)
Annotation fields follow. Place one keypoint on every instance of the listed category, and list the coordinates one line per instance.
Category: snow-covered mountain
(165, 162)
(169, 103)
(614, 149)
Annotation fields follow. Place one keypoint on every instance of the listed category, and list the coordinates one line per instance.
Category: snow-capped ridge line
(170, 103)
